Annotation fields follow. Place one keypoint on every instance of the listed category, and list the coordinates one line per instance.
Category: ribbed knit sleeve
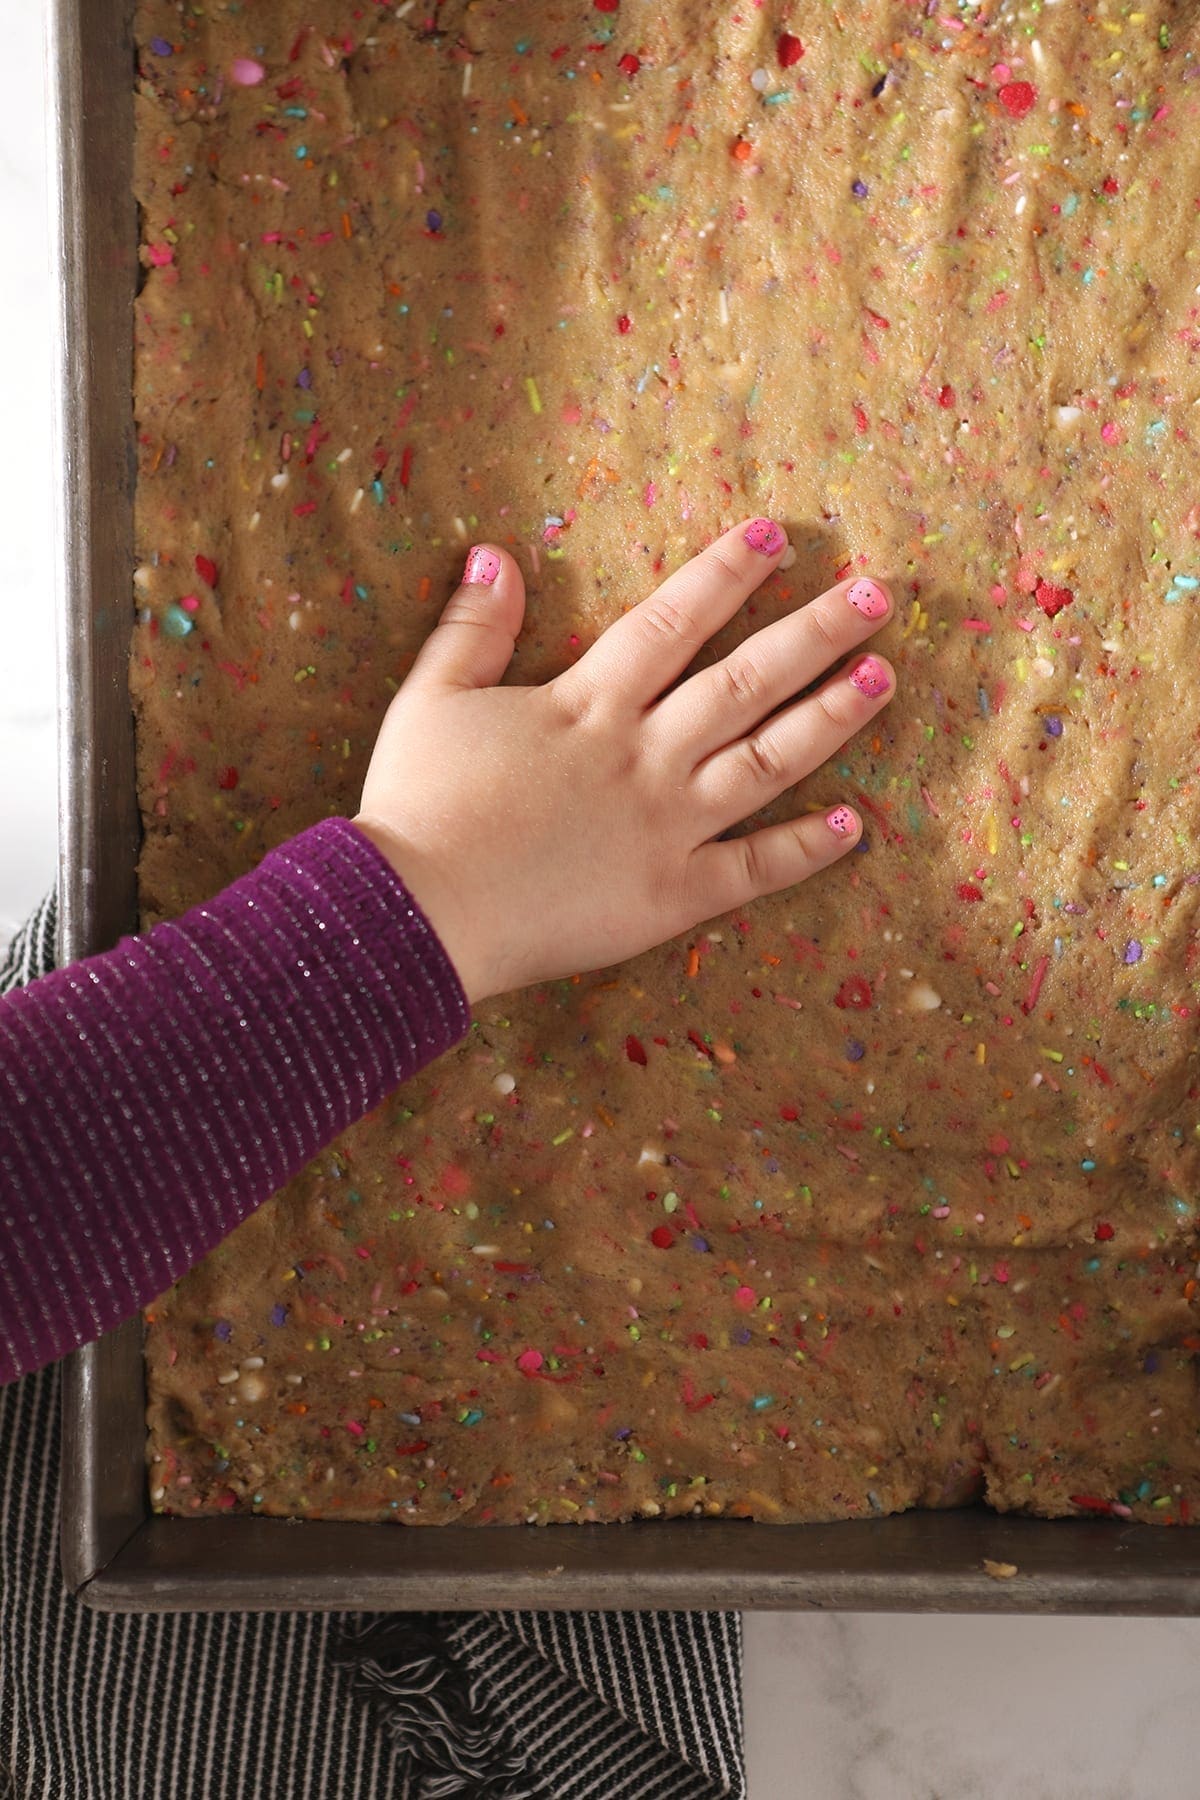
(153, 1096)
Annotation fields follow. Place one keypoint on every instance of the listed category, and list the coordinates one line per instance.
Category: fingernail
(866, 598)
(765, 535)
(870, 678)
(482, 568)
(841, 820)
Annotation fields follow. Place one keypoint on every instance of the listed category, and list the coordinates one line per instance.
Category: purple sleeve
(153, 1096)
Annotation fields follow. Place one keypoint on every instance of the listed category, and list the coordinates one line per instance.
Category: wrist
(431, 894)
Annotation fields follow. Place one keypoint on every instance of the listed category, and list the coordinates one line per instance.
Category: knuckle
(662, 617)
(831, 704)
(743, 679)
(763, 761)
(822, 631)
(753, 865)
(716, 559)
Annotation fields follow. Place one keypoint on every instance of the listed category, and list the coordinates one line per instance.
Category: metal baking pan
(116, 1555)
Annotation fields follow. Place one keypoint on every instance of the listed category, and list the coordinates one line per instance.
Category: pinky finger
(733, 871)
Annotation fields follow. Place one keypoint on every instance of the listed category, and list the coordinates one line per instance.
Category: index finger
(641, 654)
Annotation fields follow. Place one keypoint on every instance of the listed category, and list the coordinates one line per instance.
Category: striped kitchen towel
(332, 1706)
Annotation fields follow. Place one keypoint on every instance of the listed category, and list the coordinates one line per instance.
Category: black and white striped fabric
(333, 1706)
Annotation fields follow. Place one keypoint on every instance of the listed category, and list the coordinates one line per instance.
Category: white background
(838, 1707)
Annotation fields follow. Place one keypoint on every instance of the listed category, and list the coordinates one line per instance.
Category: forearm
(153, 1096)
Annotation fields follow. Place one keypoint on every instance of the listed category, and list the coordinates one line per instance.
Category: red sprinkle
(206, 569)
(1104, 1232)
(629, 64)
(634, 1051)
(854, 993)
(789, 50)
(1090, 1503)
(227, 779)
(606, 5)
(624, 323)
(967, 890)
(1052, 599)
(946, 396)
(1017, 98)
(662, 1237)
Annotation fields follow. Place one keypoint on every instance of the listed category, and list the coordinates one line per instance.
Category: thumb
(472, 644)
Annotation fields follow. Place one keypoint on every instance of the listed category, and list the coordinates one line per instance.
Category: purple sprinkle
(278, 1314)
(161, 47)
(854, 1050)
(626, 1431)
(433, 219)
(858, 188)
(223, 1329)
(742, 1335)
(1053, 725)
(1150, 1366)
(699, 1243)
(1133, 951)
(304, 379)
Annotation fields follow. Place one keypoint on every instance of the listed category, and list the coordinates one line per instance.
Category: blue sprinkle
(278, 1314)
(762, 1401)
(1189, 583)
(626, 1431)
(854, 1050)
(411, 1418)
(433, 219)
(1088, 1164)
(1053, 725)
(1150, 1366)
(176, 622)
(161, 47)
(223, 1329)
(699, 1243)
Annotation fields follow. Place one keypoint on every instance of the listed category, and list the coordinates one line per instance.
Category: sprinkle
(1133, 951)
(788, 49)
(530, 1361)
(160, 47)
(246, 72)
(858, 188)
(1052, 599)
(433, 219)
(1017, 98)
(535, 399)
(629, 64)
(662, 1237)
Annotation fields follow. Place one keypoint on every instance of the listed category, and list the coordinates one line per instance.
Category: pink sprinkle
(487, 1356)
(1000, 1273)
(530, 1361)
(1110, 432)
(1035, 985)
(161, 255)
(650, 495)
(976, 625)
(190, 603)
(352, 1425)
(246, 72)
(941, 1212)
(744, 1297)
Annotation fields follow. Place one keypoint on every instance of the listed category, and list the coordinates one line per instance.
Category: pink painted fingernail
(870, 678)
(765, 535)
(866, 598)
(841, 820)
(482, 568)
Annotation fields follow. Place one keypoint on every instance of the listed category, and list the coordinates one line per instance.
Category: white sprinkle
(485, 1249)
(142, 577)
(280, 481)
(232, 1375)
(1067, 415)
(760, 81)
(923, 998)
(253, 1362)
(466, 86)
(252, 521)
(357, 500)
(505, 1082)
(723, 306)
(460, 531)
(651, 1156)
(294, 1379)
(1020, 206)
(295, 619)
(788, 557)
(252, 1387)
(345, 455)
(1037, 53)
(406, 8)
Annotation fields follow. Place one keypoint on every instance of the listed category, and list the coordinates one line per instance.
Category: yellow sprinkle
(981, 1053)
(993, 834)
(1054, 1055)
(534, 397)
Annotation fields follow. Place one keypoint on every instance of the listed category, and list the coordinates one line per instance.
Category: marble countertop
(838, 1707)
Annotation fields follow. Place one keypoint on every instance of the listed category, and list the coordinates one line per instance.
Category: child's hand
(549, 830)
